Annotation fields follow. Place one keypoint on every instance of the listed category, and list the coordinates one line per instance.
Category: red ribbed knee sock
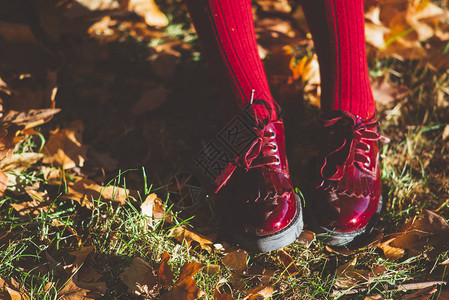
(226, 32)
(337, 27)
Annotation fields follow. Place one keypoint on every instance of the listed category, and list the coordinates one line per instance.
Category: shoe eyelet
(275, 147)
(278, 161)
(368, 163)
(271, 131)
(368, 148)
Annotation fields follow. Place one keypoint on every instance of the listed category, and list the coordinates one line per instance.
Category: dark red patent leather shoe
(349, 197)
(255, 193)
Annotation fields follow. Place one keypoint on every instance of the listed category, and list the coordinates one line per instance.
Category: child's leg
(256, 196)
(349, 193)
(338, 31)
(226, 31)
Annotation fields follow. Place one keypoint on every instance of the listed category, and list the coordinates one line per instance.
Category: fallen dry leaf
(182, 234)
(385, 92)
(99, 4)
(423, 294)
(340, 250)
(306, 69)
(261, 292)
(374, 297)
(32, 208)
(85, 190)
(71, 291)
(10, 290)
(14, 295)
(211, 269)
(53, 176)
(165, 274)
(64, 148)
(397, 28)
(185, 287)
(20, 162)
(139, 278)
(149, 10)
(236, 260)
(278, 6)
(30, 118)
(348, 276)
(290, 269)
(88, 279)
(391, 253)
(81, 255)
(154, 208)
(189, 269)
(426, 230)
(445, 134)
(3, 183)
(306, 237)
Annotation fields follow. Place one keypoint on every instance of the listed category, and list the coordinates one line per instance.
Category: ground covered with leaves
(103, 105)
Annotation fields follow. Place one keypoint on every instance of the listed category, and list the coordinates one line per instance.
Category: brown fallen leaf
(81, 255)
(340, 251)
(14, 295)
(3, 183)
(53, 176)
(185, 287)
(85, 190)
(261, 292)
(374, 297)
(391, 253)
(165, 274)
(445, 135)
(182, 234)
(306, 237)
(32, 208)
(419, 233)
(154, 208)
(278, 6)
(385, 92)
(31, 117)
(71, 291)
(211, 269)
(149, 10)
(64, 148)
(290, 269)
(87, 278)
(236, 260)
(306, 70)
(189, 269)
(424, 294)
(20, 162)
(98, 4)
(348, 276)
(139, 278)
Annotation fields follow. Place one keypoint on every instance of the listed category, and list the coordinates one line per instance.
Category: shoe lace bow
(260, 152)
(347, 137)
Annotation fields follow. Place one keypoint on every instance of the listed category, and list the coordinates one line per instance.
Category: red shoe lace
(347, 135)
(259, 153)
